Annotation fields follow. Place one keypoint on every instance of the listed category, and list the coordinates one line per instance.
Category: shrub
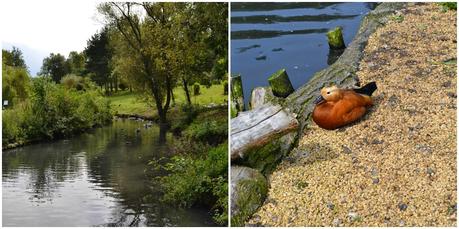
(212, 132)
(71, 81)
(196, 89)
(199, 180)
(54, 112)
(15, 84)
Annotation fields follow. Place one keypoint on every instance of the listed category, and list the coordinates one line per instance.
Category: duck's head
(329, 94)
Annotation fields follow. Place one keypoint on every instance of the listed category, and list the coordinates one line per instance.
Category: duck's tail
(367, 89)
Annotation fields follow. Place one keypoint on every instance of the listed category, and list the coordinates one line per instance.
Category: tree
(76, 63)
(98, 55)
(55, 66)
(144, 43)
(15, 84)
(13, 58)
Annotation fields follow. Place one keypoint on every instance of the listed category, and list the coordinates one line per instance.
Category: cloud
(50, 26)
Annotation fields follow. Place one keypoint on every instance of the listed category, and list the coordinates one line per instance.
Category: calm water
(266, 37)
(95, 179)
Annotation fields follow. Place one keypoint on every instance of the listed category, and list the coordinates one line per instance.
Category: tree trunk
(187, 92)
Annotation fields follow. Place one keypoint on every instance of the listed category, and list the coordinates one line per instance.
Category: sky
(42, 27)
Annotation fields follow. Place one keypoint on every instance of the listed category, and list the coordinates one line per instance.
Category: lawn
(126, 102)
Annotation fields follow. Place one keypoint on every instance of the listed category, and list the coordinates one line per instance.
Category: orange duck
(337, 107)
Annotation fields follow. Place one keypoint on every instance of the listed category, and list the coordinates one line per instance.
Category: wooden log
(335, 38)
(253, 129)
(280, 84)
(258, 97)
(237, 95)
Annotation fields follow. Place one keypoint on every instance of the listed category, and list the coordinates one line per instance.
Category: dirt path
(396, 167)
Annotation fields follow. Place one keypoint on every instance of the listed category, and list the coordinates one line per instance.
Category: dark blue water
(266, 37)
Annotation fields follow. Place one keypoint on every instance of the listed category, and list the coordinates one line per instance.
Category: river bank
(396, 167)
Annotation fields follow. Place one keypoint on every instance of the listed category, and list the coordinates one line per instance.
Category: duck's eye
(328, 92)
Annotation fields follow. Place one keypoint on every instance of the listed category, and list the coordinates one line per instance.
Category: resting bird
(337, 107)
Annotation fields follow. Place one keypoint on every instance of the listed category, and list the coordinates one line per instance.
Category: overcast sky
(45, 26)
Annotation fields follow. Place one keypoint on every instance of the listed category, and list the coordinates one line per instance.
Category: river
(266, 37)
(93, 179)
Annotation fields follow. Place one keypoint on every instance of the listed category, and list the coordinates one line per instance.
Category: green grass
(126, 102)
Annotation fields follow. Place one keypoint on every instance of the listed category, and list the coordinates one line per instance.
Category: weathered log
(258, 97)
(335, 38)
(255, 128)
(261, 96)
(280, 84)
(237, 95)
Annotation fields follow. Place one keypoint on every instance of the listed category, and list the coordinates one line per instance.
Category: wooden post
(335, 38)
(280, 84)
(237, 95)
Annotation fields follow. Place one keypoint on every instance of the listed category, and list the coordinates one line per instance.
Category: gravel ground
(397, 166)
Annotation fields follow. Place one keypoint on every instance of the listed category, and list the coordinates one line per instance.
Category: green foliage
(54, 112)
(55, 66)
(15, 84)
(209, 131)
(13, 58)
(98, 56)
(76, 63)
(196, 180)
(196, 89)
(72, 81)
(448, 5)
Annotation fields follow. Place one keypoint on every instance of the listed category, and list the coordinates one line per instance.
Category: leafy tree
(98, 55)
(76, 63)
(142, 47)
(13, 58)
(55, 66)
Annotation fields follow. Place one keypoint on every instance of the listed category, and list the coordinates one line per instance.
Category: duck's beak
(319, 99)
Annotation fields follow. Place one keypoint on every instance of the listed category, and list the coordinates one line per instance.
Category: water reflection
(95, 179)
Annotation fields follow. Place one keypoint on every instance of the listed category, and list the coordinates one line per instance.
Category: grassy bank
(131, 103)
(197, 174)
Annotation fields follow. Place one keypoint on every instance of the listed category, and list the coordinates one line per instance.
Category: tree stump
(280, 84)
(237, 95)
(335, 38)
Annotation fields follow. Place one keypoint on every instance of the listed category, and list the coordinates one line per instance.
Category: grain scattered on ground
(397, 166)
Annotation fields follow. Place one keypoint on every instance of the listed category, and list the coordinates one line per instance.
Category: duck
(336, 107)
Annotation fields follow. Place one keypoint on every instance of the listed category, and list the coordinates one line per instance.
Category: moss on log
(237, 95)
(248, 191)
(335, 38)
(280, 84)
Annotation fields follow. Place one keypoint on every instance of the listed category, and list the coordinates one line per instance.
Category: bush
(71, 81)
(15, 84)
(189, 113)
(54, 112)
(196, 89)
(212, 132)
(199, 180)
